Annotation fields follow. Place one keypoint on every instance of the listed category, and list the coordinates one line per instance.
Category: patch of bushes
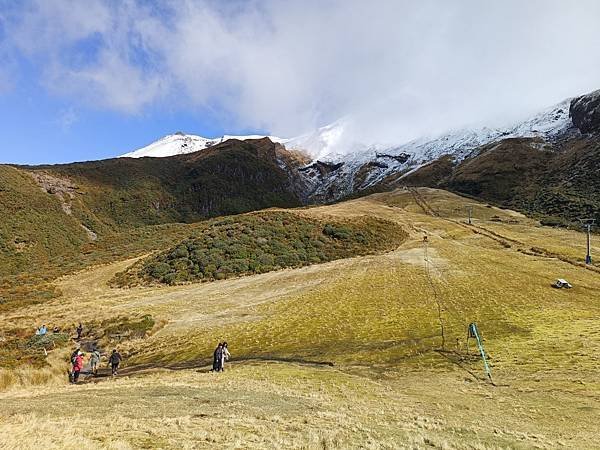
(48, 341)
(262, 242)
(18, 347)
(552, 221)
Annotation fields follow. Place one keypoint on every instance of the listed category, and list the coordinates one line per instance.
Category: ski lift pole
(475, 333)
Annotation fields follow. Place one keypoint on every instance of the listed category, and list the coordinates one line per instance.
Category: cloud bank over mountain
(395, 69)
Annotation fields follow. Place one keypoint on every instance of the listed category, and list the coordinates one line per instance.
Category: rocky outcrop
(585, 112)
(62, 188)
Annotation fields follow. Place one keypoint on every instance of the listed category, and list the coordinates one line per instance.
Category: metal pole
(588, 257)
(480, 345)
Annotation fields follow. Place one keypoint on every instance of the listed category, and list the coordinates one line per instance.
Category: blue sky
(82, 80)
(38, 128)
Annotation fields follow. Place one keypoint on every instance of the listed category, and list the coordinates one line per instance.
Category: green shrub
(261, 242)
(159, 270)
(336, 232)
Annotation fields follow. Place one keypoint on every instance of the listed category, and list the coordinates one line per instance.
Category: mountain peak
(180, 143)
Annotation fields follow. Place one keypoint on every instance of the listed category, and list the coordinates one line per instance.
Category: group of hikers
(43, 330)
(77, 362)
(220, 355)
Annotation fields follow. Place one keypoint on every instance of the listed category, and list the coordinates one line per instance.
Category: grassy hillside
(261, 242)
(229, 178)
(34, 230)
(56, 219)
(341, 354)
(33, 226)
(556, 182)
(40, 240)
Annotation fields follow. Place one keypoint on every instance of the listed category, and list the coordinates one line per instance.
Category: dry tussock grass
(375, 318)
(25, 377)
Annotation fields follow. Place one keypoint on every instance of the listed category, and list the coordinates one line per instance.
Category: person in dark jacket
(79, 330)
(217, 357)
(114, 360)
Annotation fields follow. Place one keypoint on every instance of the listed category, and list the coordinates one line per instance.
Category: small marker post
(470, 213)
(587, 224)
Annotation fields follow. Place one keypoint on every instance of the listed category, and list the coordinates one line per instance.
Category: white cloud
(400, 68)
(110, 82)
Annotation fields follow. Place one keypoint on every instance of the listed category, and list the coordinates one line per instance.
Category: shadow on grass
(202, 366)
(457, 359)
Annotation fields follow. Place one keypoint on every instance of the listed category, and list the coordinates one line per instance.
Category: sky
(93, 79)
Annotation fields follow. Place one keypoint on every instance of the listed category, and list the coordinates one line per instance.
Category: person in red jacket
(77, 365)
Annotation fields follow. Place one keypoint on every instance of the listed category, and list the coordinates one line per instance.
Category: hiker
(42, 330)
(77, 362)
(217, 358)
(79, 330)
(114, 360)
(94, 361)
(224, 355)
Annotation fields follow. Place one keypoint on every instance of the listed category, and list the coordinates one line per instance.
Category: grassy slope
(375, 318)
(33, 230)
(229, 178)
(33, 225)
(557, 182)
(40, 242)
(128, 203)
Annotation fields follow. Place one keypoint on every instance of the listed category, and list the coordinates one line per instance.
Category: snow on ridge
(548, 124)
(180, 143)
(361, 166)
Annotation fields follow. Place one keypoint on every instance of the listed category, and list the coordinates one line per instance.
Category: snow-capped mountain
(336, 174)
(342, 165)
(180, 143)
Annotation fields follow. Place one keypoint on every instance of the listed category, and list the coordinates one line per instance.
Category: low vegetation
(31, 282)
(262, 242)
(20, 347)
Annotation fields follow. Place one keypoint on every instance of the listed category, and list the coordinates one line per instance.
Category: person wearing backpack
(114, 360)
(77, 362)
(72, 362)
(94, 361)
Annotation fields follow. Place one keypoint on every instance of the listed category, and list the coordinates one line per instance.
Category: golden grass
(375, 319)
